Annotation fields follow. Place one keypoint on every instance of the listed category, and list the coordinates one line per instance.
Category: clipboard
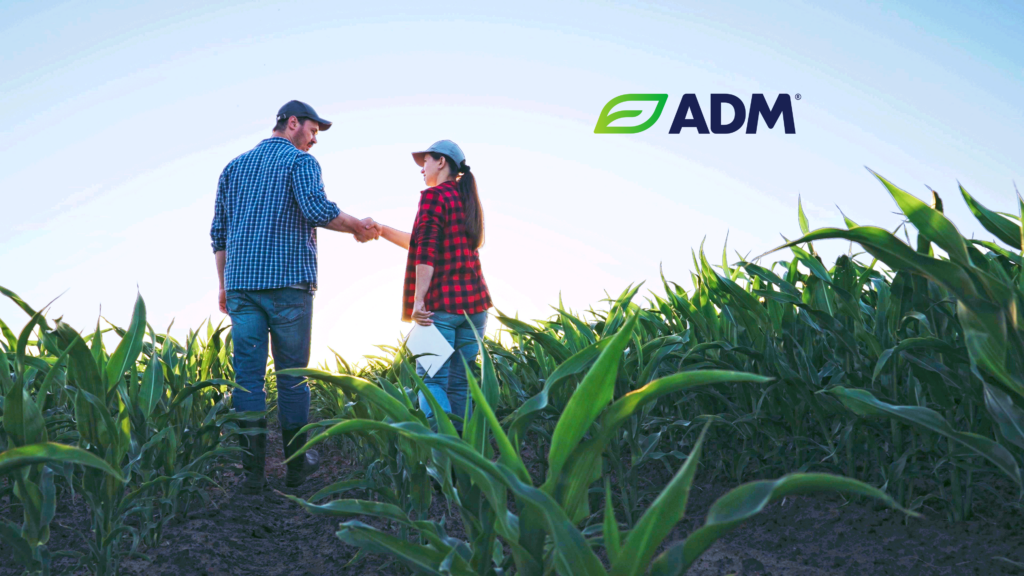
(428, 340)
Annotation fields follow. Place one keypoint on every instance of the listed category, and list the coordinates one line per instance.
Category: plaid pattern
(269, 201)
(438, 240)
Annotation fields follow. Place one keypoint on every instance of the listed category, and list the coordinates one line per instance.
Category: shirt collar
(277, 140)
(449, 184)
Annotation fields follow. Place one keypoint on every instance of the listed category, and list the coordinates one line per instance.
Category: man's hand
(222, 300)
(368, 230)
(420, 314)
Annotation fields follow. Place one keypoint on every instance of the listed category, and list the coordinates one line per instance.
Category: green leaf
(884, 246)
(985, 334)
(52, 377)
(485, 474)
(1009, 417)
(742, 503)
(930, 222)
(584, 466)
(804, 226)
(5, 374)
(488, 378)
(551, 345)
(523, 415)
(51, 452)
(130, 346)
(22, 418)
(846, 220)
(21, 304)
(660, 518)
(188, 391)
(346, 508)
(444, 423)
(368, 391)
(20, 353)
(1006, 230)
(864, 403)
(934, 344)
(573, 555)
(812, 264)
(152, 389)
(82, 370)
(11, 535)
(339, 487)
(612, 539)
(507, 452)
(422, 559)
(589, 399)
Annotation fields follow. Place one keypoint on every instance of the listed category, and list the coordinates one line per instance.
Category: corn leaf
(864, 403)
(130, 346)
(742, 503)
(589, 399)
(51, 452)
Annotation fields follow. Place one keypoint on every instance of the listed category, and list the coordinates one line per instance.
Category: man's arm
(220, 256)
(308, 187)
(219, 237)
(364, 230)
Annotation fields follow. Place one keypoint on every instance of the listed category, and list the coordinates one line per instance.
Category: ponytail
(474, 212)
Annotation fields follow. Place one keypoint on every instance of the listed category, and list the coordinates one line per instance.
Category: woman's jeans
(448, 385)
(285, 315)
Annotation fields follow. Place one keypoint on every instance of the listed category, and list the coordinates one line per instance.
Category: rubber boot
(254, 457)
(300, 468)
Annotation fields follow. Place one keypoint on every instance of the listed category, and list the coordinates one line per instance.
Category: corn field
(892, 376)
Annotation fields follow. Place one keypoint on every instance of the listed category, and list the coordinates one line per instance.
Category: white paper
(428, 340)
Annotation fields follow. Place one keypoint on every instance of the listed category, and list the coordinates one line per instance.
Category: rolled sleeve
(219, 228)
(308, 187)
(427, 229)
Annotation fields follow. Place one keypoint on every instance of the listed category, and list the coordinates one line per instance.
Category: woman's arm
(424, 273)
(396, 237)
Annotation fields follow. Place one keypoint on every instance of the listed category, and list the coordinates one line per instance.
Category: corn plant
(29, 458)
(544, 532)
(397, 472)
(152, 412)
(984, 292)
(818, 331)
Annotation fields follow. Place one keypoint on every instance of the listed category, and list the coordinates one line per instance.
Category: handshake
(367, 230)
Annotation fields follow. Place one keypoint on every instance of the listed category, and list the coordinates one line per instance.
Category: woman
(443, 281)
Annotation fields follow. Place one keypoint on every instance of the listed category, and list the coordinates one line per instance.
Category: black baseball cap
(301, 110)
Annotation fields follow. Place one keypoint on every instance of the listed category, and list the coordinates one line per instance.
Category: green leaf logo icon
(605, 119)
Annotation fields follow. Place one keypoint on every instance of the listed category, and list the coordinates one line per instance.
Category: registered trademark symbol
(798, 96)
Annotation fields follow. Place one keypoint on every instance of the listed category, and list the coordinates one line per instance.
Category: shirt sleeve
(219, 228)
(308, 187)
(427, 229)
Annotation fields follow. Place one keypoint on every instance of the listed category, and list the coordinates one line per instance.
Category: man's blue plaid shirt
(269, 202)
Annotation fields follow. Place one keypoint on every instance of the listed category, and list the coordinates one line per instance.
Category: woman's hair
(466, 185)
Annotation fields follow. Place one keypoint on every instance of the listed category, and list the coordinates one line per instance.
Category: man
(270, 200)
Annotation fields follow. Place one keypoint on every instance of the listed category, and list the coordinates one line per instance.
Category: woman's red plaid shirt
(438, 239)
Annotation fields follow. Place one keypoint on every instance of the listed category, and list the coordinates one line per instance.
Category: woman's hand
(420, 314)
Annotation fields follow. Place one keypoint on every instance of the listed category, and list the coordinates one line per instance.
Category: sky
(116, 120)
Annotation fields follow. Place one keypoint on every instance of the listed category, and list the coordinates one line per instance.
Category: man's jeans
(286, 316)
(449, 384)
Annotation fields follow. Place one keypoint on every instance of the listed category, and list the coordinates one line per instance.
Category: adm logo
(689, 114)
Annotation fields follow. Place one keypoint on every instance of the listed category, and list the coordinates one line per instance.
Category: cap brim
(419, 158)
(324, 124)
